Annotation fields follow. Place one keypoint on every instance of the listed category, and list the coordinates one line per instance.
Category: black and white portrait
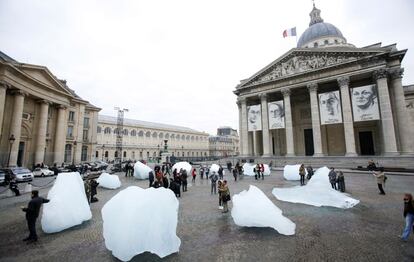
(276, 114)
(330, 108)
(254, 118)
(365, 103)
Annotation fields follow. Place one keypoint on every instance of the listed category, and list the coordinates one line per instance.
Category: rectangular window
(70, 132)
(85, 135)
(71, 116)
(86, 122)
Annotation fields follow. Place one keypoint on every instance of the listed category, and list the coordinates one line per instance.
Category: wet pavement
(367, 232)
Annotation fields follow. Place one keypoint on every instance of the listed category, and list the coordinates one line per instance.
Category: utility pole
(120, 134)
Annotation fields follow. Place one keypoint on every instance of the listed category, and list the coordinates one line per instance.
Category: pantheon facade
(42, 120)
(326, 97)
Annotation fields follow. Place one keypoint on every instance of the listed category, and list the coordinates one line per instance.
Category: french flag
(289, 32)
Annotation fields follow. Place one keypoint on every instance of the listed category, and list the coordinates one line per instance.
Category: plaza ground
(367, 232)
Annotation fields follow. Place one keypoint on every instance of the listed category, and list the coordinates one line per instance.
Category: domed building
(327, 101)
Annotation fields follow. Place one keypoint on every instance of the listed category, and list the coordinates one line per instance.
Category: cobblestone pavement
(367, 232)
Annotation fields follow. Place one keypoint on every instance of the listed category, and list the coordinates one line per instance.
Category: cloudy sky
(178, 61)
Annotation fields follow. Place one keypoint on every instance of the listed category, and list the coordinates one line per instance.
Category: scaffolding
(119, 134)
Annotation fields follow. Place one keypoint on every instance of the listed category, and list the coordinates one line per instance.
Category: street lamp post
(11, 141)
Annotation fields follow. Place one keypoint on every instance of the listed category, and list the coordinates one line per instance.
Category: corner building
(48, 121)
(324, 98)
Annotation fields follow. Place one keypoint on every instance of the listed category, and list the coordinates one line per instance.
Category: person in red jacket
(158, 175)
(194, 174)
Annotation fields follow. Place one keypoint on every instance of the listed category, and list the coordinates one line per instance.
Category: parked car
(38, 171)
(21, 174)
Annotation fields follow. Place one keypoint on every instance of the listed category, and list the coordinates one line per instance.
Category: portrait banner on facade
(254, 118)
(365, 103)
(276, 114)
(330, 109)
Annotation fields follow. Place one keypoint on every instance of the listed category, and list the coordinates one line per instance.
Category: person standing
(225, 196)
(409, 216)
(332, 178)
(341, 181)
(151, 178)
(158, 175)
(194, 174)
(32, 213)
(262, 170)
(87, 187)
(207, 172)
(214, 179)
(380, 175)
(220, 172)
(235, 174)
(14, 187)
(201, 171)
(93, 185)
(184, 177)
(220, 189)
(302, 174)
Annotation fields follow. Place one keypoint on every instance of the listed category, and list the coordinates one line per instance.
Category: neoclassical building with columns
(326, 97)
(42, 119)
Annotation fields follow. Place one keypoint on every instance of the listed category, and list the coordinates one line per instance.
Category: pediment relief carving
(302, 63)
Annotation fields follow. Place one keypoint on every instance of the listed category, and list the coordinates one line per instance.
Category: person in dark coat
(94, 185)
(184, 177)
(332, 178)
(151, 178)
(175, 187)
(32, 212)
(302, 173)
(341, 181)
(13, 187)
(235, 174)
(408, 215)
(220, 172)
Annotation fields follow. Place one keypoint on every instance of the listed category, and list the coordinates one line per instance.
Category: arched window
(154, 135)
(167, 136)
(187, 138)
(326, 42)
(107, 130)
(315, 44)
(98, 129)
(161, 135)
(192, 138)
(116, 131)
(133, 133)
(183, 153)
(148, 134)
(68, 153)
(183, 137)
(125, 132)
(141, 133)
(96, 154)
(196, 138)
(172, 136)
(177, 137)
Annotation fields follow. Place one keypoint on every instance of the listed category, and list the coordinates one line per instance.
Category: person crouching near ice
(32, 213)
(225, 195)
(302, 174)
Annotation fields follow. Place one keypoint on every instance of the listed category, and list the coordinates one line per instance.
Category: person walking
(207, 172)
(201, 171)
(380, 175)
(213, 179)
(193, 174)
(409, 216)
(302, 174)
(32, 213)
(225, 195)
(93, 184)
(235, 174)
(332, 178)
(14, 187)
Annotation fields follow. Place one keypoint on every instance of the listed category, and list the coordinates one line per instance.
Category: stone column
(16, 125)
(403, 120)
(240, 127)
(388, 131)
(3, 89)
(316, 127)
(347, 116)
(255, 144)
(79, 116)
(265, 125)
(244, 133)
(60, 136)
(290, 147)
(41, 132)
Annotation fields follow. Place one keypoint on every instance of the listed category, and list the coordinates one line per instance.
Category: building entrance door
(366, 143)
(309, 150)
(20, 154)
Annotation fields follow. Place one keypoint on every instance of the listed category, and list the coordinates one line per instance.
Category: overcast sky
(178, 61)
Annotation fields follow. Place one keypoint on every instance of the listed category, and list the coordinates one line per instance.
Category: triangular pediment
(303, 60)
(45, 78)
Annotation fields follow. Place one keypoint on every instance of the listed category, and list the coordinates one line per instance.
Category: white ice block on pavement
(318, 192)
(183, 165)
(137, 220)
(252, 208)
(215, 168)
(291, 172)
(141, 171)
(109, 181)
(68, 204)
